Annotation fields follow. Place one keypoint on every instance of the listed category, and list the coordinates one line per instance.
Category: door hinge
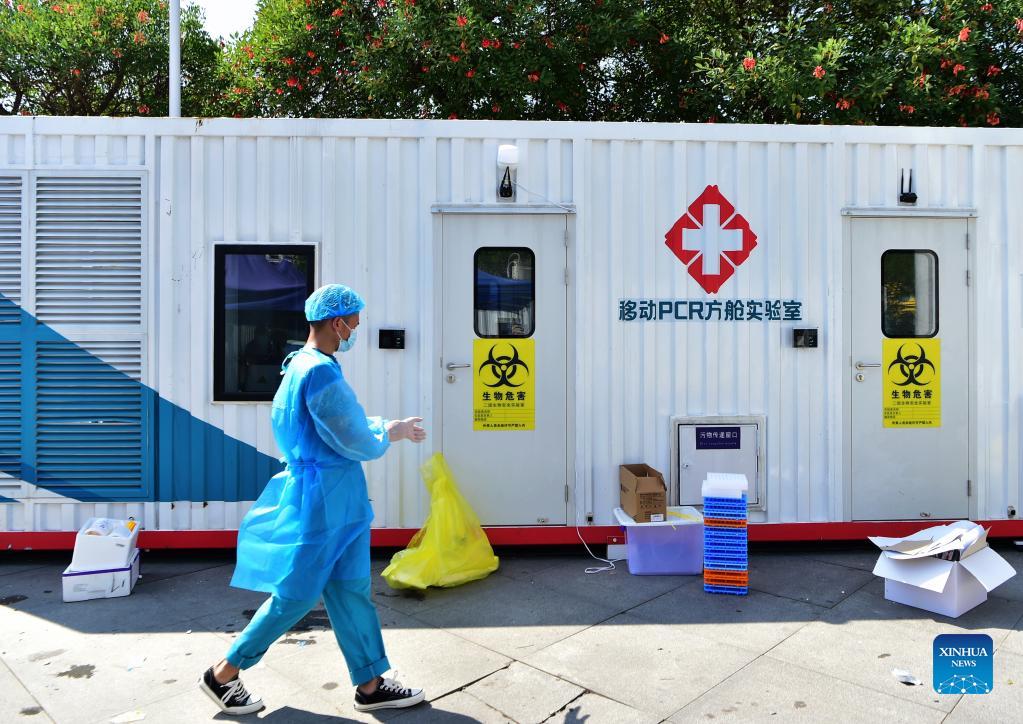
(566, 276)
(566, 493)
(969, 488)
(967, 240)
(967, 277)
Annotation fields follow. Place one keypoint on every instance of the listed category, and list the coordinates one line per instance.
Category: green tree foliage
(901, 62)
(101, 57)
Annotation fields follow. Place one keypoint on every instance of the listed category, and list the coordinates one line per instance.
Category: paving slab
(805, 579)
(16, 703)
(770, 690)
(597, 709)
(160, 567)
(756, 622)
(617, 587)
(518, 566)
(514, 617)
(1013, 643)
(524, 694)
(432, 659)
(667, 668)
(454, 708)
(863, 560)
(1004, 703)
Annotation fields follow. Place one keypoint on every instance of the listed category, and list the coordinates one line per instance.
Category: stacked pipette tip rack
(725, 539)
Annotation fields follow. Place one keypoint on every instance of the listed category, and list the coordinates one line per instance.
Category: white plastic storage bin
(671, 548)
(104, 552)
(108, 583)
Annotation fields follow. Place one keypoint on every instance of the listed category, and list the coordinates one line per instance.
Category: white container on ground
(104, 552)
(100, 583)
(671, 548)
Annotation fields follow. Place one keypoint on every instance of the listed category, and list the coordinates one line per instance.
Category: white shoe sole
(398, 704)
(235, 711)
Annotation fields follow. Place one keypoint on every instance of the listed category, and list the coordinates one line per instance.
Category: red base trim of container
(527, 535)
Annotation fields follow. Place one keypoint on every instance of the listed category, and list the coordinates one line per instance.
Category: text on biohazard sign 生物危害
(503, 394)
(912, 382)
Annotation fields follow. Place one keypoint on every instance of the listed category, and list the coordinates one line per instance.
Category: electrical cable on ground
(597, 569)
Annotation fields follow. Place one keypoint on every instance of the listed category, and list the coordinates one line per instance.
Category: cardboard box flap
(964, 536)
(929, 573)
(989, 568)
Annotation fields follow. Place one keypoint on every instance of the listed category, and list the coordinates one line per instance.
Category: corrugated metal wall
(364, 190)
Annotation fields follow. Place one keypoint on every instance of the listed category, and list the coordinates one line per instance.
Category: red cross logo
(700, 236)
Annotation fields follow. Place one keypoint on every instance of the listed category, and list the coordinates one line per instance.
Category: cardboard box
(917, 571)
(107, 583)
(644, 496)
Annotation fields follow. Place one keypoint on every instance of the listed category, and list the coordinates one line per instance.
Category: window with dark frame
(909, 293)
(259, 300)
(504, 297)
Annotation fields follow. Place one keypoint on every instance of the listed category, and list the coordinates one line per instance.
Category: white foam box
(103, 552)
(944, 587)
(85, 585)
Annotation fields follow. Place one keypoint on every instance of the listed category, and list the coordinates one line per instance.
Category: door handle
(865, 365)
(454, 366)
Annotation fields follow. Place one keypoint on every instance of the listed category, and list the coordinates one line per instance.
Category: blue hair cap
(332, 300)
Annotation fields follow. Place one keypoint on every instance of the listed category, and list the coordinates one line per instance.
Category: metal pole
(175, 58)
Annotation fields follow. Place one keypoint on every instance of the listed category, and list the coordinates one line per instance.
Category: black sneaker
(232, 698)
(390, 694)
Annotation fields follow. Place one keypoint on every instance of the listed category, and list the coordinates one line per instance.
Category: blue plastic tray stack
(725, 546)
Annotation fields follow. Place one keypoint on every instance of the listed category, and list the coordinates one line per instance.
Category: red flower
(316, 71)
(292, 81)
(964, 35)
(548, 42)
(945, 62)
(486, 42)
(958, 69)
(981, 93)
(516, 45)
(497, 44)
(664, 38)
(116, 52)
(454, 58)
(248, 51)
(993, 70)
(843, 104)
(922, 80)
(987, 7)
(338, 12)
(993, 119)
(381, 3)
(819, 72)
(749, 63)
(143, 16)
(311, 54)
(470, 73)
(21, 8)
(534, 77)
(425, 68)
(496, 108)
(278, 91)
(1019, 24)
(143, 109)
(288, 61)
(712, 119)
(453, 117)
(956, 90)
(309, 26)
(582, 67)
(562, 106)
(462, 20)
(76, 72)
(907, 109)
(139, 38)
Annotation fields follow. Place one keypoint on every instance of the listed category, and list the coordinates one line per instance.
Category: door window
(909, 294)
(505, 292)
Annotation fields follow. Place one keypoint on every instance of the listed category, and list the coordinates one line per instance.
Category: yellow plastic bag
(451, 547)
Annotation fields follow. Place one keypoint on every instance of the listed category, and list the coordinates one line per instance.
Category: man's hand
(407, 429)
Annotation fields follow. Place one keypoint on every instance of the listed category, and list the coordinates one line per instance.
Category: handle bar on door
(865, 365)
(453, 366)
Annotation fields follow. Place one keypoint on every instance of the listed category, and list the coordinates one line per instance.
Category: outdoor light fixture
(507, 161)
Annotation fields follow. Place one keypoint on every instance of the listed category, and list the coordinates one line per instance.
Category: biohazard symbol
(913, 368)
(504, 368)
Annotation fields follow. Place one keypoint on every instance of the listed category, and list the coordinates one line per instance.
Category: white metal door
(910, 369)
(515, 476)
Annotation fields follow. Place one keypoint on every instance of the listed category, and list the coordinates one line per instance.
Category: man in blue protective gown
(308, 534)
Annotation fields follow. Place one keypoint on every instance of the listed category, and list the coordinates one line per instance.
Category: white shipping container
(111, 231)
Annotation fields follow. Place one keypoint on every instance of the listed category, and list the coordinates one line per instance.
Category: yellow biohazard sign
(912, 382)
(503, 390)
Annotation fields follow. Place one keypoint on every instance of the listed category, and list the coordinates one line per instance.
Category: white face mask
(343, 345)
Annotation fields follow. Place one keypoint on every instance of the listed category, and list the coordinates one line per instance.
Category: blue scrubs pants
(352, 616)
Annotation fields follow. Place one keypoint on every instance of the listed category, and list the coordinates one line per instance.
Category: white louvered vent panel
(10, 412)
(89, 424)
(89, 250)
(10, 249)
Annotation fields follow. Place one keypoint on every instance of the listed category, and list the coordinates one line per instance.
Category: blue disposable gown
(311, 522)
